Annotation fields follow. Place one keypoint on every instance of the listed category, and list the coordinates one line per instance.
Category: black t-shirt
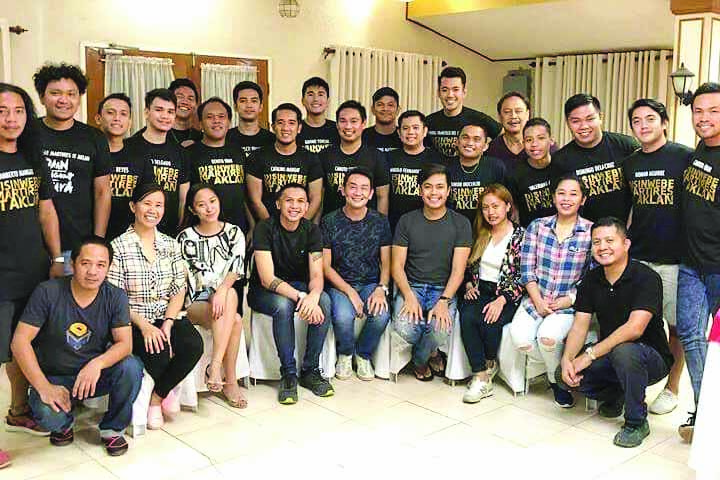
(384, 143)
(289, 250)
(71, 336)
(443, 130)
(468, 183)
(224, 168)
(533, 195)
(75, 157)
(276, 170)
(125, 174)
(336, 164)
(701, 210)
(167, 165)
(404, 171)
(23, 259)
(638, 288)
(655, 180)
(499, 149)
(250, 143)
(317, 139)
(600, 169)
(177, 136)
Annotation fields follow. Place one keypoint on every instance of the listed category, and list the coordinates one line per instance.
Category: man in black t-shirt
(596, 157)
(626, 297)
(77, 156)
(339, 159)
(384, 134)
(317, 132)
(248, 98)
(288, 278)
(271, 168)
(444, 125)
(187, 97)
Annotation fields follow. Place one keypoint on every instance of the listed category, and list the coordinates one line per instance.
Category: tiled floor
(381, 429)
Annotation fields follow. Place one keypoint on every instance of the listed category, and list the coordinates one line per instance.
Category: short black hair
(315, 82)
(580, 100)
(288, 186)
(51, 72)
(247, 85)
(161, 93)
(184, 82)
(452, 72)
(359, 171)
(286, 106)
(385, 92)
(353, 105)
(474, 124)
(657, 107)
(511, 95)
(430, 169)
(115, 96)
(210, 100)
(610, 222)
(707, 87)
(409, 114)
(143, 190)
(537, 122)
(92, 240)
(568, 176)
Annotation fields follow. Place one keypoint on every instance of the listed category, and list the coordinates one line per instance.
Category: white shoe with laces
(477, 390)
(664, 403)
(343, 367)
(364, 369)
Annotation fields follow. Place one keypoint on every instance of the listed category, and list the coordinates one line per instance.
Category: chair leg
(591, 404)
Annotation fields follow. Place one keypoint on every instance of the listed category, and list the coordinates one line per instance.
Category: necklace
(471, 171)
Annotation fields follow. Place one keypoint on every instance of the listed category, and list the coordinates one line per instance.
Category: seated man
(429, 254)
(356, 256)
(73, 342)
(288, 278)
(633, 351)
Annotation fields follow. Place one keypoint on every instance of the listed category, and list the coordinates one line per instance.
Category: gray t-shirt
(71, 336)
(431, 244)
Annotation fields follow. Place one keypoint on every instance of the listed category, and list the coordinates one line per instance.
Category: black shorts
(10, 311)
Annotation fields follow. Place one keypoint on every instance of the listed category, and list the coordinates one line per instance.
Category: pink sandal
(4, 459)
(155, 420)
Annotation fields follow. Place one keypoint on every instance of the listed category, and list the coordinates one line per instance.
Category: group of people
(411, 221)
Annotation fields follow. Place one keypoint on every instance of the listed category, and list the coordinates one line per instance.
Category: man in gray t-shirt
(429, 254)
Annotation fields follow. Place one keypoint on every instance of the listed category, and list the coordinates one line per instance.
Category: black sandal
(424, 374)
(438, 363)
(115, 446)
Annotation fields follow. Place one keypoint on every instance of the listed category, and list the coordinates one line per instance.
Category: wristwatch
(444, 298)
(591, 353)
(59, 259)
(385, 289)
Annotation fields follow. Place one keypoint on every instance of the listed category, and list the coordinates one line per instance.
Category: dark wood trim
(684, 7)
(327, 51)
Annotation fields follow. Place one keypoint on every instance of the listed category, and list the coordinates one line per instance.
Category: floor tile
(517, 425)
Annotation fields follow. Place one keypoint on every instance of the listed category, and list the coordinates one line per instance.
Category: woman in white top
(214, 251)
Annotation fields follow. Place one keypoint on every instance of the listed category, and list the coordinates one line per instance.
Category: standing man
(384, 134)
(76, 154)
(444, 125)
(248, 98)
(318, 132)
(187, 97)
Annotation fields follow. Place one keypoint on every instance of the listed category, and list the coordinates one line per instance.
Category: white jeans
(526, 331)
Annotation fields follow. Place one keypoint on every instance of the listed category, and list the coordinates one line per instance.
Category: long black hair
(27, 143)
(189, 218)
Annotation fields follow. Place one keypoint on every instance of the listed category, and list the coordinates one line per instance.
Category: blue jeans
(343, 314)
(282, 311)
(121, 382)
(424, 335)
(67, 266)
(697, 294)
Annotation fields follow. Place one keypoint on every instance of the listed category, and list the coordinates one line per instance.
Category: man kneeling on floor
(73, 342)
(633, 351)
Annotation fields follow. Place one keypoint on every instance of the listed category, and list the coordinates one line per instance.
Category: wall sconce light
(682, 82)
(289, 8)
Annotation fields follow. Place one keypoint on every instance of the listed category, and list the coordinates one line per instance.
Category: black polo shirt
(638, 288)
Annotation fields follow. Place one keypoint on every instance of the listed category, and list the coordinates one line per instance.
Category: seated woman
(555, 254)
(149, 267)
(214, 251)
(493, 291)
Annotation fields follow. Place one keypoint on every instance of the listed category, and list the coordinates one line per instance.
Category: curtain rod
(605, 60)
(327, 51)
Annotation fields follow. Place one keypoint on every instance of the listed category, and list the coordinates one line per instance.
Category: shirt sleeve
(315, 243)
(583, 301)
(529, 254)
(184, 174)
(116, 273)
(262, 237)
(315, 170)
(256, 165)
(649, 294)
(326, 230)
(179, 272)
(381, 173)
(102, 163)
(464, 233)
(402, 237)
(37, 309)
(121, 310)
(385, 233)
(46, 189)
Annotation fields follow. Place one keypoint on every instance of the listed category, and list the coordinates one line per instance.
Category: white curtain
(219, 81)
(355, 74)
(135, 76)
(617, 79)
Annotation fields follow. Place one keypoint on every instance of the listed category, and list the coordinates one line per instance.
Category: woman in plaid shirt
(555, 254)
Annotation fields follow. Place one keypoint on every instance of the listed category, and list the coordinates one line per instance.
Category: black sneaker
(612, 409)
(686, 430)
(631, 436)
(288, 394)
(62, 438)
(563, 398)
(316, 383)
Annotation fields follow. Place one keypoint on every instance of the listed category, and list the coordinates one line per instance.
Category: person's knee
(325, 304)
(130, 369)
(520, 338)
(44, 414)
(625, 356)
(547, 344)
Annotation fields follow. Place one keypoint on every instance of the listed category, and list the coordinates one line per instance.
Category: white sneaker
(477, 390)
(364, 369)
(664, 403)
(343, 367)
(494, 370)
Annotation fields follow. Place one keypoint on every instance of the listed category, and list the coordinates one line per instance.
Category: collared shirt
(149, 285)
(556, 266)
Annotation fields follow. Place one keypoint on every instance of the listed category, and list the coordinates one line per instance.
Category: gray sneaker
(364, 369)
(631, 436)
(343, 367)
(477, 390)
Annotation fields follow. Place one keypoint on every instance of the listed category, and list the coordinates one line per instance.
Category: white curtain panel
(617, 79)
(355, 74)
(219, 81)
(135, 76)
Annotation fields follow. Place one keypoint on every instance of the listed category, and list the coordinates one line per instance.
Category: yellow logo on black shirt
(78, 335)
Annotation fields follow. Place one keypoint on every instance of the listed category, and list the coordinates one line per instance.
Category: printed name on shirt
(316, 145)
(166, 177)
(658, 191)
(222, 174)
(699, 183)
(405, 183)
(18, 193)
(275, 181)
(122, 184)
(600, 179)
(538, 197)
(466, 195)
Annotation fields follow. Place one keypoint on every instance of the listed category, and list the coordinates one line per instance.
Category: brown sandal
(424, 373)
(240, 402)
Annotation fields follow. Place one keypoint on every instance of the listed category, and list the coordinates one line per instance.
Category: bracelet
(169, 318)
(444, 298)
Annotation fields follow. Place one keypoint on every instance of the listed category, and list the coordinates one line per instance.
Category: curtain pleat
(219, 81)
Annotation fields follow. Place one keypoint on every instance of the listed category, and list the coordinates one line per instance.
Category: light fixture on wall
(682, 82)
(289, 8)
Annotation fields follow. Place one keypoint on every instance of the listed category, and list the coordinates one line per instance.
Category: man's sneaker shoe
(664, 403)
(316, 383)
(62, 438)
(494, 370)
(563, 398)
(288, 394)
(24, 423)
(686, 430)
(477, 390)
(612, 409)
(364, 368)
(631, 436)
(116, 445)
(343, 367)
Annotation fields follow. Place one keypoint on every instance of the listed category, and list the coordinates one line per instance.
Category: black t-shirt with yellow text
(125, 175)
(467, 183)
(317, 139)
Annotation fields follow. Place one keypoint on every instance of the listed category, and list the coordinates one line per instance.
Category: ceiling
(514, 29)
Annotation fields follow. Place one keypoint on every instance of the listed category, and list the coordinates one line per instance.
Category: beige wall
(235, 27)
